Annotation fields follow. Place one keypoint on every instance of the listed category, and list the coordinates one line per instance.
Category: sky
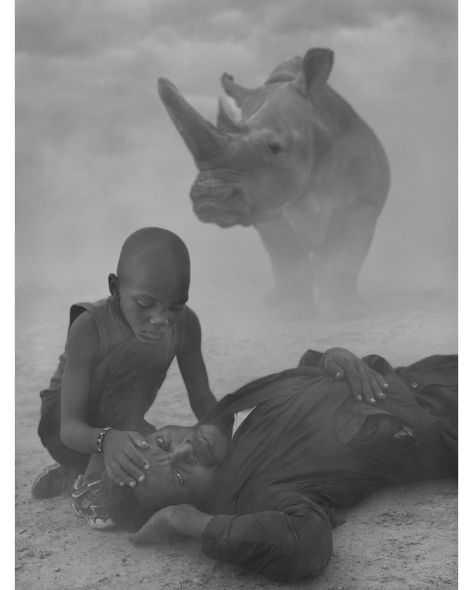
(97, 156)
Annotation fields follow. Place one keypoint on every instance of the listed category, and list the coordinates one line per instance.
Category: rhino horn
(229, 117)
(203, 139)
(316, 67)
(237, 92)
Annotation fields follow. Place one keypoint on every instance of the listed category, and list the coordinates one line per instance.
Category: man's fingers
(379, 386)
(376, 389)
(376, 392)
(355, 385)
(367, 388)
(382, 383)
(333, 367)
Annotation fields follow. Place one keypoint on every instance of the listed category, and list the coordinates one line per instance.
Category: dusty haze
(98, 157)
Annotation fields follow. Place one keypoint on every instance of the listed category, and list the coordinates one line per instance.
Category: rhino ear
(237, 92)
(316, 67)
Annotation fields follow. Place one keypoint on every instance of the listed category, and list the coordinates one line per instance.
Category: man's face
(152, 304)
(184, 461)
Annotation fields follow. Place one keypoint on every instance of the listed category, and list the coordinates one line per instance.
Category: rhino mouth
(223, 205)
(210, 212)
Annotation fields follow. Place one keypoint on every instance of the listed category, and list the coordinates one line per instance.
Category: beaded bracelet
(100, 437)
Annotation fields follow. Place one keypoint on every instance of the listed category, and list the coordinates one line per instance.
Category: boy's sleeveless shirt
(123, 361)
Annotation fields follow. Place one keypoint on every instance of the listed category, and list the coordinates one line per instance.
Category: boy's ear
(113, 284)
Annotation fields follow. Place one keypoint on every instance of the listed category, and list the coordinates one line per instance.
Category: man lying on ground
(258, 481)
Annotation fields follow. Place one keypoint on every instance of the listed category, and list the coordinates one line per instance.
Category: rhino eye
(274, 147)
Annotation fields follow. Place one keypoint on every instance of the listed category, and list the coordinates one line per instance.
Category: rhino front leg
(338, 264)
(291, 263)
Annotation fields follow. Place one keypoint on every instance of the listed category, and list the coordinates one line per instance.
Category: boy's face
(152, 301)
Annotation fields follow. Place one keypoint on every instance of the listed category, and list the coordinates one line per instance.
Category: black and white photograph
(236, 294)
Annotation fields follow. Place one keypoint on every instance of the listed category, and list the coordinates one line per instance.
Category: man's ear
(113, 284)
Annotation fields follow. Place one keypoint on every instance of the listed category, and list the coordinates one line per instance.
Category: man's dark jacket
(308, 448)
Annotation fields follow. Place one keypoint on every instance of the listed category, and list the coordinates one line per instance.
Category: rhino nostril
(235, 193)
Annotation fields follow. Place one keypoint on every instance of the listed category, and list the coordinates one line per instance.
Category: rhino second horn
(228, 107)
(229, 115)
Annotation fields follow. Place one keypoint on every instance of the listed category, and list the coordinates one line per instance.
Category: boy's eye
(176, 307)
(160, 442)
(144, 304)
(179, 479)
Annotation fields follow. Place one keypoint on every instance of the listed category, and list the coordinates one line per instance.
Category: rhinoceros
(293, 159)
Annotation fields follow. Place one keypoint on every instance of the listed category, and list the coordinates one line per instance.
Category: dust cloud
(98, 157)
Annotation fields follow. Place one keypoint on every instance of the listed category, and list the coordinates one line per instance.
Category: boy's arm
(123, 462)
(81, 352)
(192, 367)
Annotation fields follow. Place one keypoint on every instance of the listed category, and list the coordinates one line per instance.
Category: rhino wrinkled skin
(293, 159)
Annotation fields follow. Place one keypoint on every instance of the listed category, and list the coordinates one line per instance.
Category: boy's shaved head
(154, 250)
(152, 281)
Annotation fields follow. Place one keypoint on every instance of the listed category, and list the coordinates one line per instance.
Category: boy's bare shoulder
(191, 320)
(83, 338)
(190, 315)
(191, 333)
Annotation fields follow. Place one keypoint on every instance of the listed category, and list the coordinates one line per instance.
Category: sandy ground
(403, 538)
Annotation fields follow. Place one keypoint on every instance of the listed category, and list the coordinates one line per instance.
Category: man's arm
(287, 544)
(192, 367)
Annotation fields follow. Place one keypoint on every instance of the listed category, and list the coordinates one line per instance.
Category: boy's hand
(125, 465)
(365, 384)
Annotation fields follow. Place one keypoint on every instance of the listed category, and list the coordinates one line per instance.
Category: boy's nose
(159, 321)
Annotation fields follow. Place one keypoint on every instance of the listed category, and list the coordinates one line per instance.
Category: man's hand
(171, 524)
(365, 384)
(125, 465)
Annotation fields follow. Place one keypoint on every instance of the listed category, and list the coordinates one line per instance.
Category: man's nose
(183, 452)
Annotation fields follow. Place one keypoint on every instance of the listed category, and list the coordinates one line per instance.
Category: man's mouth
(203, 449)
